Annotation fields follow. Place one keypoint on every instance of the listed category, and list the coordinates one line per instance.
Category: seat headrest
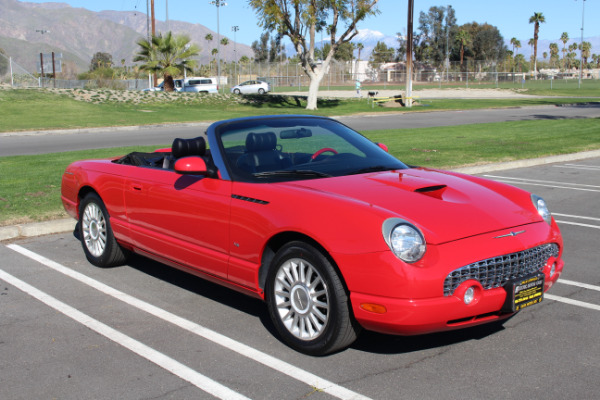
(188, 147)
(261, 141)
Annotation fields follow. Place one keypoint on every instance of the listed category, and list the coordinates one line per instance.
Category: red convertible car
(333, 232)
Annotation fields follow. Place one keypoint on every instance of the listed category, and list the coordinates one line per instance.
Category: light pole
(235, 29)
(581, 62)
(409, 50)
(218, 4)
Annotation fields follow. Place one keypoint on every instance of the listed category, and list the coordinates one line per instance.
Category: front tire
(236, 91)
(308, 302)
(261, 91)
(96, 235)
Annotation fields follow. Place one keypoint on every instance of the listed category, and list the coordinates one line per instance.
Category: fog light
(552, 270)
(469, 295)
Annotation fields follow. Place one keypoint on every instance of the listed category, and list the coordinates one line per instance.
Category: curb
(68, 224)
(37, 229)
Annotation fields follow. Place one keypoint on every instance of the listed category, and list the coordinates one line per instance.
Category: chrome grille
(495, 272)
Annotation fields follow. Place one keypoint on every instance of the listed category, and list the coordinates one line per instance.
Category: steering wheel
(323, 150)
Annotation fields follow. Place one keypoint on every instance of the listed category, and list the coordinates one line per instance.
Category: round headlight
(407, 242)
(542, 208)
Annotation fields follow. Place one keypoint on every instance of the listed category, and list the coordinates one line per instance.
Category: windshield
(293, 148)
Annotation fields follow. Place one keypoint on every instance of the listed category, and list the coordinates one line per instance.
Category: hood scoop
(435, 191)
(428, 189)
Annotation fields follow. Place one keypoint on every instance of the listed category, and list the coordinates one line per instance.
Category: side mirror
(383, 147)
(192, 165)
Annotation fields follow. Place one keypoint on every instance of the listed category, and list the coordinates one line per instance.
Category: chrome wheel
(93, 228)
(302, 299)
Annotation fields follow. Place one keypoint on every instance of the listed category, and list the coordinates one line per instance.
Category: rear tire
(96, 235)
(308, 302)
(261, 91)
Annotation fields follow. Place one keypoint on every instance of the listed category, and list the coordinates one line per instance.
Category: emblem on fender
(509, 234)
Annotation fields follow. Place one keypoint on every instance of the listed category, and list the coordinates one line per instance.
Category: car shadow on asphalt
(369, 342)
(372, 342)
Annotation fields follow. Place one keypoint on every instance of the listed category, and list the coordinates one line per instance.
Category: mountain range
(26, 29)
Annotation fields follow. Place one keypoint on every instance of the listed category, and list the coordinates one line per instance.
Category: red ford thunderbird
(333, 232)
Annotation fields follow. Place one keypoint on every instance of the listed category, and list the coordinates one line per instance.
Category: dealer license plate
(524, 292)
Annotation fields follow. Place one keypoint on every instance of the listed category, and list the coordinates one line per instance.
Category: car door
(183, 218)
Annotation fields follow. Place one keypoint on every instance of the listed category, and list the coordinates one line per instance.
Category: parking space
(70, 330)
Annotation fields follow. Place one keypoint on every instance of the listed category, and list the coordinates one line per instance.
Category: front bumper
(391, 297)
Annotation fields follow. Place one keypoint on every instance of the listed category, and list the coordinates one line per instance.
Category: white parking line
(578, 224)
(222, 340)
(579, 284)
(572, 302)
(175, 367)
(579, 166)
(541, 181)
(558, 185)
(576, 216)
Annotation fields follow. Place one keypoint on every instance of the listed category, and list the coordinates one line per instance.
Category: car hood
(443, 205)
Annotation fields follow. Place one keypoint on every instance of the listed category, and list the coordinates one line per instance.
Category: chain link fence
(288, 76)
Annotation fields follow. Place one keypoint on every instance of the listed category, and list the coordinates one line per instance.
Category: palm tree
(167, 55)
(564, 38)
(224, 42)
(553, 52)
(359, 46)
(516, 44)
(585, 49)
(463, 37)
(536, 19)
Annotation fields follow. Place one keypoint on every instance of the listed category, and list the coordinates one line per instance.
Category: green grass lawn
(30, 185)
(33, 109)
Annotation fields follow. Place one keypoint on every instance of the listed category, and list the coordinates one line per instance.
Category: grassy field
(30, 185)
(33, 109)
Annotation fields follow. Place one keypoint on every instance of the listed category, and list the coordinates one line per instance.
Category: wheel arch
(280, 240)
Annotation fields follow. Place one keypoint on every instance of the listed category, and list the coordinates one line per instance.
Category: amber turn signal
(376, 308)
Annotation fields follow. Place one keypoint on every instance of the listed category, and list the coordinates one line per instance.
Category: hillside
(79, 33)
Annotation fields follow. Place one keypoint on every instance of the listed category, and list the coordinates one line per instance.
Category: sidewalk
(68, 225)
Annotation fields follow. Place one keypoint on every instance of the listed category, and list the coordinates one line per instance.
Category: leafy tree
(381, 54)
(100, 60)
(261, 48)
(345, 52)
(3, 63)
(437, 29)
(276, 50)
(300, 19)
(536, 19)
(488, 43)
(167, 55)
(401, 50)
(244, 60)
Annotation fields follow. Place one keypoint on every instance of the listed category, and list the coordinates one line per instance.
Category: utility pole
(581, 62)
(235, 29)
(154, 80)
(409, 52)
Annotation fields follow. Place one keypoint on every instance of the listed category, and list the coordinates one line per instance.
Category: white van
(199, 85)
(194, 85)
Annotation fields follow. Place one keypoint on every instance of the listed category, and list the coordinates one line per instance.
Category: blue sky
(510, 16)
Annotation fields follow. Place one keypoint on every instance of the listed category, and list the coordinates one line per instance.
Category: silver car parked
(249, 87)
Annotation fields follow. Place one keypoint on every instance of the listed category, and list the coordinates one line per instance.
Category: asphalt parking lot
(69, 330)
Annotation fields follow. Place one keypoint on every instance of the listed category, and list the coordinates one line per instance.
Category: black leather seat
(262, 154)
(183, 148)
